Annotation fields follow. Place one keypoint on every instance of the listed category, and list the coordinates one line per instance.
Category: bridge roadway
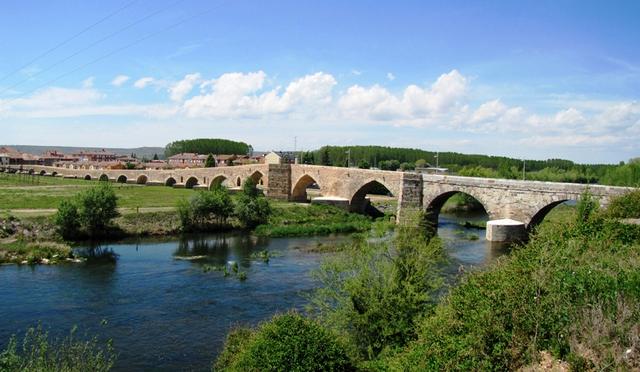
(513, 206)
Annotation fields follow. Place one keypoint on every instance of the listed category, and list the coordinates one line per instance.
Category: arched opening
(104, 178)
(170, 181)
(454, 209)
(191, 182)
(217, 181)
(238, 182)
(31, 171)
(300, 189)
(121, 179)
(368, 199)
(543, 212)
(87, 177)
(257, 178)
(42, 173)
(142, 179)
(54, 174)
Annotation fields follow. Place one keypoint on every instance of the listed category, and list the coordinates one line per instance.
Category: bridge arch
(217, 181)
(435, 204)
(43, 172)
(358, 202)
(54, 173)
(238, 181)
(121, 179)
(257, 177)
(191, 182)
(170, 181)
(299, 192)
(87, 177)
(103, 178)
(142, 179)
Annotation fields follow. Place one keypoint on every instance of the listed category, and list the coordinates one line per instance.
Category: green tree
(210, 162)
(155, 156)
(97, 208)
(207, 146)
(67, 220)
(364, 164)
(252, 208)
(421, 163)
(324, 156)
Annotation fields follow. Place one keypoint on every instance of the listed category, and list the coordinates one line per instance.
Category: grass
(16, 193)
(21, 252)
(296, 220)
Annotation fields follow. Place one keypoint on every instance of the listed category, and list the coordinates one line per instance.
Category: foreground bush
(374, 293)
(38, 352)
(252, 208)
(288, 342)
(572, 291)
(205, 209)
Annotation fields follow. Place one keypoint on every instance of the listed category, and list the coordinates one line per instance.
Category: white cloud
(415, 105)
(119, 80)
(390, 76)
(356, 72)
(241, 95)
(143, 82)
(180, 89)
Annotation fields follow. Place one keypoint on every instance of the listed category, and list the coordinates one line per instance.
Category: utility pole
(348, 152)
(524, 166)
(437, 160)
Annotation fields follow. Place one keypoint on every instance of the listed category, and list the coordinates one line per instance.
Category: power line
(73, 37)
(91, 45)
(148, 36)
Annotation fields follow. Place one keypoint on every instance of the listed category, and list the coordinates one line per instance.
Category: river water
(164, 312)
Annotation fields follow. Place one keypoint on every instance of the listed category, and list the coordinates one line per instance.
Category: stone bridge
(513, 206)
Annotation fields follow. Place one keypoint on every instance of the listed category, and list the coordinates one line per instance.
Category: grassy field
(25, 192)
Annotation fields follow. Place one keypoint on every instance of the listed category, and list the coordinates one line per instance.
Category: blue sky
(536, 79)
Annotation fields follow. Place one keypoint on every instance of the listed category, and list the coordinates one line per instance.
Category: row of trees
(208, 146)
(558, 170)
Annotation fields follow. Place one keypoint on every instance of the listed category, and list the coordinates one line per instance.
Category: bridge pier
(506, 230)
(279, 181)
(410, 197)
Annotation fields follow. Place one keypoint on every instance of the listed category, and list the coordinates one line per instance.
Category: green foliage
(421, 163)
(407, 166)
(585, 208)
(67, 220)
(540, 298)
(295, 220)
(92, 210)
(325, 158)
(251, 208)
(205, 208)
(97, 207)
(363, 164)
(391, 165)
(210, 162)
(38, 352)
(34, 252)
(625, 206)
(207, 146)
(288, 342)
(374, 293)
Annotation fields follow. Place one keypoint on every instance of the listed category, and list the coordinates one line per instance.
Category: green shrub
(288, 342)
(67, 220)
(38, 352)
(535, 300)
(251, 208)
(205, 208)
(97, 207)
(373, 293)
(625, 206)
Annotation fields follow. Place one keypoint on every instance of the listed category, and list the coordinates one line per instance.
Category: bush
(373, 293)
(67, 220)
(288, 342)
(90, 213)
(37, 352)
(542, 297)
(251, 208)
(205, 208)
(97, 206)
(625, 206)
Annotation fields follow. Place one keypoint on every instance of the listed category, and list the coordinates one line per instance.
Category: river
(165, 313)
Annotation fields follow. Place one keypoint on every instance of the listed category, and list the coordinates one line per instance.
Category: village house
(95, 156)
(187, 160)
(280, 157)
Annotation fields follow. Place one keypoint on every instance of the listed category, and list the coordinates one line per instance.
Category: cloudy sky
(535, 79)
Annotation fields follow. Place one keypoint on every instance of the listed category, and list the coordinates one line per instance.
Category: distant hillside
(146, 152)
